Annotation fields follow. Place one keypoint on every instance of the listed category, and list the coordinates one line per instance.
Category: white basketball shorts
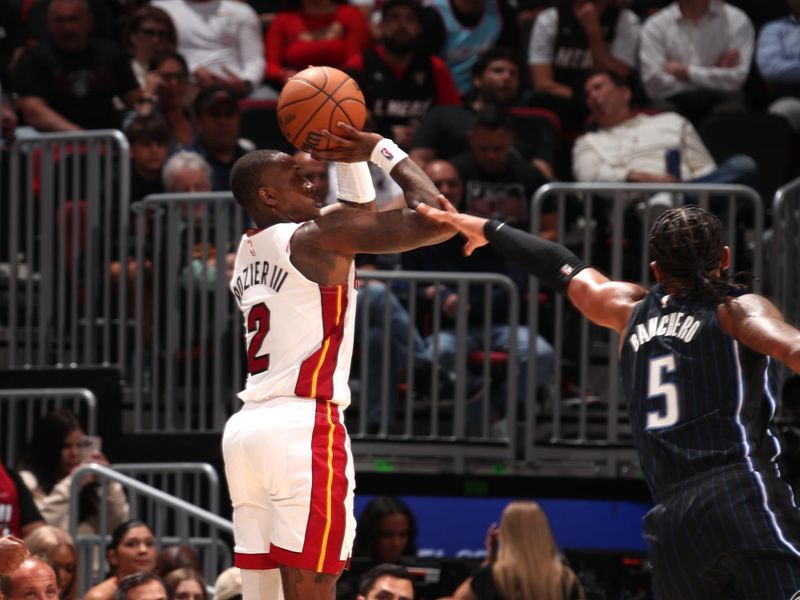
(291, 479)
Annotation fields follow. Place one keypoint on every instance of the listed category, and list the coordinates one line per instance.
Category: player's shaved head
(252, 171)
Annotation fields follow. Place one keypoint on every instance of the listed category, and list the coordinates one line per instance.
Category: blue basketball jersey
(698, 400)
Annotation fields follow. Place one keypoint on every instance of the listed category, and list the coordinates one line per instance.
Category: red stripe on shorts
(327, 517)
(315, 379)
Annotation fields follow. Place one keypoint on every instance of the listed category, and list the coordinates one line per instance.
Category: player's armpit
(759, 325)
(604, 302)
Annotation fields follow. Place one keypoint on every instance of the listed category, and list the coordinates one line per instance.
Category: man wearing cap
(400, 80)
(218, 126)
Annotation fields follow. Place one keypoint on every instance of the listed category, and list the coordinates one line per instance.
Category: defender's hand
(471, 227)
(12, 554)
(354, 146)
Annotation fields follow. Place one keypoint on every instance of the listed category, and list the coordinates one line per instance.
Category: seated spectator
(522, 560)
(148, 32)
(132, 550)
(498, 184)
(20, 516)
(176, 557)
(386, 582)
(228, 585)
(47, 464)
(695, 57)
(496, 76)
(34, 15)
(68, 82)
(12, 554)
(400, 81)
(386, 531)
(57, 548)
(632, 147)
(33, 579)
(149, 147)
(186, 171)
(778, 59)
(173, 93)
(185, 584)
(568, 41)
(218, 127)
(449, 257)
(221, 41)
(141, 586)
(461, 30)
(319, 32)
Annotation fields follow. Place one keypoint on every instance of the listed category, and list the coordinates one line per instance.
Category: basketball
(319, 98)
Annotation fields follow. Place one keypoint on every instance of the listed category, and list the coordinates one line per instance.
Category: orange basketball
(318, 98)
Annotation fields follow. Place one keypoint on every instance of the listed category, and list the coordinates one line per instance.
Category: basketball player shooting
(699, 377)
(287, 452)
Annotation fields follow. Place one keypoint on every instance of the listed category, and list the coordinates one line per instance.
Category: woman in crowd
(173, 96)
(386, 532)
(522, 561)
(148, 32)
(185, 584)
(47, 465)
(132, 550)
(57, 548)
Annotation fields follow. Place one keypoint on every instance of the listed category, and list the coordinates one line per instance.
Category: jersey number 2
(656, 386)
(258, 325)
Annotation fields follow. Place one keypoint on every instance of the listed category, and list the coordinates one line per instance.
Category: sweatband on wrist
(549, 262)
(354, 183)
(386, 154)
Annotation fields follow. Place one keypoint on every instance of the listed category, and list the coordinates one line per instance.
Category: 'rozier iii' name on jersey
(677, 325)
(259, 272)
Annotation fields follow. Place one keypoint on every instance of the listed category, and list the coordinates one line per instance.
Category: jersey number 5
(258, 325)
(656, 386)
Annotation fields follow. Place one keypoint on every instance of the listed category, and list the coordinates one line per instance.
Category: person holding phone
(59, 447)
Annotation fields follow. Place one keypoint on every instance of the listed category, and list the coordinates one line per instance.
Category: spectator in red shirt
(400, 80)
(320, 32)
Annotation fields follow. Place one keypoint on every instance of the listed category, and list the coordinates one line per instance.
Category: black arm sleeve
(552, 263)
(28, 512)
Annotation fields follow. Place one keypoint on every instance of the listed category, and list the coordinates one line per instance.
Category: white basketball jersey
(298, 334)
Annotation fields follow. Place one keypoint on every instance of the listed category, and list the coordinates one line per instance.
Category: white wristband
(354, 182)
(386, 154)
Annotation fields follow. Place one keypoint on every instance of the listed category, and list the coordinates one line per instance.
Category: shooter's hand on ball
(355, 146)
(468, 225)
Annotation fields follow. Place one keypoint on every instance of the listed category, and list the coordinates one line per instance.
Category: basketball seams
(336, 104)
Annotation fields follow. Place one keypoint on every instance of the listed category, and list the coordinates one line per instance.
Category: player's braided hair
(687, 244)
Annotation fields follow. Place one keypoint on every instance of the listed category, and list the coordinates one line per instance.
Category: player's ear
(657, 272)
(725, 261)
(266, 196)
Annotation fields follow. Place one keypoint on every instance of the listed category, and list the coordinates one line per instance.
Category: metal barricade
(196, 483)
(443, 420)
(786, 249)
(187, 360)
(67, 234)
(586, 428)
(20, 409)
(173, 521)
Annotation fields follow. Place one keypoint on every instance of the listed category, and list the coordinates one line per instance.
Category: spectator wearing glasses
(150, 31)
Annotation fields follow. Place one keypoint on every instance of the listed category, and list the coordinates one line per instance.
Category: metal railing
(174, 521)
(786, 250)
(591, 414)
(66, 240)
(196, 483)
(20, 409)
(187, 362)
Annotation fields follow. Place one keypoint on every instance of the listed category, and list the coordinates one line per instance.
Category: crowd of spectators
(513, 96)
